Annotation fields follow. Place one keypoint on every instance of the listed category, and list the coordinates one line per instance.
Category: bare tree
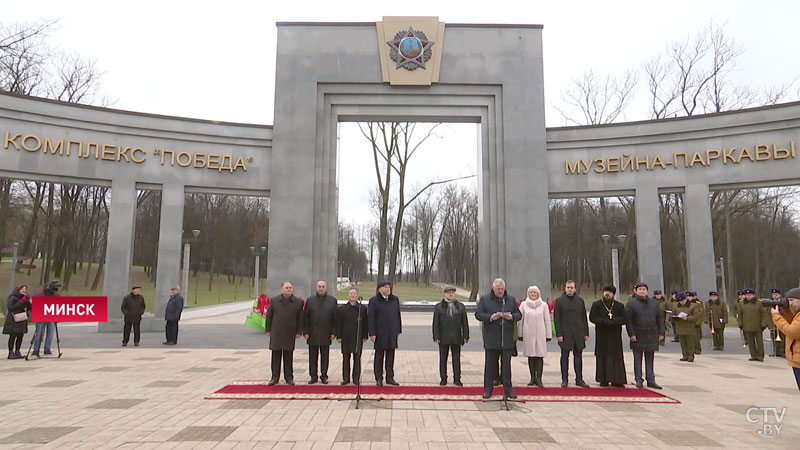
(599, 99)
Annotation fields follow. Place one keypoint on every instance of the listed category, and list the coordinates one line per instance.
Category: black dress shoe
(532, 382)
(290, 382)
(487, 394)
(345, 382)
(654, 385)
(684, 359)
(124, 344)
(378, 383)
(690, 359)
(392, 382)
(511, 395)
(604, 384)
(135, 344)
(324, 380)
(563, 383)
(458, 382)
(618, 385)
(639, 385)
(272, 382)
(581, 383)
(165, 342)
(753, 359)
(443, 382)
(539, 383)
(312, 381)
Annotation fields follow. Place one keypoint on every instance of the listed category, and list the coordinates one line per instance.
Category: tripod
(41, 339)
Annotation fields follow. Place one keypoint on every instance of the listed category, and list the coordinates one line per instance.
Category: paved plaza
(100, 395)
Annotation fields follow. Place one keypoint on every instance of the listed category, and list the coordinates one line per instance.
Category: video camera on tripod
(50, 290)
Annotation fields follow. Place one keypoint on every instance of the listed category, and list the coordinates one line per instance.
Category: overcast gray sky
(216, 60)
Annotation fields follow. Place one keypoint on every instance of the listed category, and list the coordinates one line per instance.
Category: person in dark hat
(698, 326)
(663, 304)
(752, 321)
(608, 316)
(645, 326)
(778, 338)
(450, 331)
(788, 322)
(132, 311)
(717, 319)
(737, 311)
(384, 326)
(686, 313)
(672, 302)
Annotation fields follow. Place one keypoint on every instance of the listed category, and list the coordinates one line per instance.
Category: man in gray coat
(284, 323)
(172, 315)
(645, 325)
(498, 311)
(319, 320)
(572, 330)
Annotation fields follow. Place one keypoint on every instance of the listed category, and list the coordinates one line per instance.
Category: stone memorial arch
(399, 69)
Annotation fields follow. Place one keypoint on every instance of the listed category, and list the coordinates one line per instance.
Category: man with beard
(608, 316)
(351, 332)
(752, 321)
(645, 325)
(498, 311)
(718, 318)
(572, 330)
(284, 322)
(319, 319)
(686, 314)
(384, 325)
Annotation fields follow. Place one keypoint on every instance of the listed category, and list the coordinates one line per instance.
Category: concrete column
(648, 237)
(119, 251)
(699, 239)
(169, 247)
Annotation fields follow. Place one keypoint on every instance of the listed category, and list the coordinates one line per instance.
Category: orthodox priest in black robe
(608, 316)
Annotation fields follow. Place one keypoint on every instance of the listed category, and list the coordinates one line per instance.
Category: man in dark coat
(132, 311)
(608, 316)
(498, 311)
(572, 330)
(319, 320)
(173, 315)
(645, 325)
(351, 332)
(384, 325)
(450, 331)
(284, 323)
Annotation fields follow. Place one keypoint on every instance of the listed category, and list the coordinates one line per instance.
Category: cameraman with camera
(790, 326)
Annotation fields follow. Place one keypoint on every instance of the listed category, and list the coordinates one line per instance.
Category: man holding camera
(789, 325)
(752, 321)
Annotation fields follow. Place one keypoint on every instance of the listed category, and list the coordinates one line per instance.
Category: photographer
(791, 328)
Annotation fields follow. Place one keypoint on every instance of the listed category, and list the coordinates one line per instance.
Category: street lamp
(257, 252)
(618, 241)
(186, 254)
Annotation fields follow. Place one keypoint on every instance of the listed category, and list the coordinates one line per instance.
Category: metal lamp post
(257, 252)
(619, 241)
(186, 257)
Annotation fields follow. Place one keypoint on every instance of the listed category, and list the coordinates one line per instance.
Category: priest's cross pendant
(610, 316)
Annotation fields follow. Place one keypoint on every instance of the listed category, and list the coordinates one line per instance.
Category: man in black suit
(384, 326)
(498, 311)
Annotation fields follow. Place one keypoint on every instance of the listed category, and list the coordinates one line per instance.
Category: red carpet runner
(258, 390)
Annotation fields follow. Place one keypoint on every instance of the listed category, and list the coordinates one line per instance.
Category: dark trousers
(718, 338)
(698, 340)
(15, 342)
(315, 353)
(755, 343)
(378, 366)
(577, 355)
(455, 349)
(172, 331)
(796, 376)
(288, 369)
(126, 331)
(674, 333)
(687, 346)
(346, 366)
(650, 375)
(491, 371)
